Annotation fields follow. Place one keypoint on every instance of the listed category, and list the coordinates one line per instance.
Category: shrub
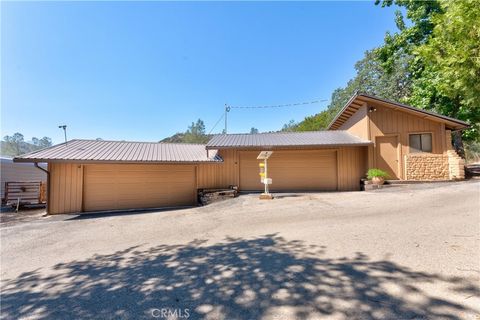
(376, 173)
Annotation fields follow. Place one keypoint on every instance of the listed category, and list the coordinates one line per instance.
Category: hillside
(9, 150)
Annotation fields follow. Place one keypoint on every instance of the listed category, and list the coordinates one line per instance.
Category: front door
(387, 155)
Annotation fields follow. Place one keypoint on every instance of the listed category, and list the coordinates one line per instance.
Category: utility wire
(216, 123)
(279, 105)
(228, 108)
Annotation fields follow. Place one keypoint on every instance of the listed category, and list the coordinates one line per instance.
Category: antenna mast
(64, 127)
(227, 110)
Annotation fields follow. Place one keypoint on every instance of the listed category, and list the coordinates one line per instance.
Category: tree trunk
(458, 143)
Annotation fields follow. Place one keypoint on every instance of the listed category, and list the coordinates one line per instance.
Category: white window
(421, 142)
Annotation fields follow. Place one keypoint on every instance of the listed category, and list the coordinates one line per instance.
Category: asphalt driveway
(407, 252)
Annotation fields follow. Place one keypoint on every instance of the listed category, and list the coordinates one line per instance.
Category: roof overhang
(80, 161)
(361, 99)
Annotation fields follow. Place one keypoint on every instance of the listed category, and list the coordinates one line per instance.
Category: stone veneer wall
(456, 166)
(426, 166)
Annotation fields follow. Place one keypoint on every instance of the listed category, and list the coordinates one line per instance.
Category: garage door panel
(291, 170)
(129, 186)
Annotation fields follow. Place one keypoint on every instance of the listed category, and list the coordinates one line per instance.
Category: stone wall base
(432, 167)
(456, 166)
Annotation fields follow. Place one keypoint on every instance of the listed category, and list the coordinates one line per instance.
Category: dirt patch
(8, 216)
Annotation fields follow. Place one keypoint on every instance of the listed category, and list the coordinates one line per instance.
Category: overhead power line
(228, 109)
(216, 123)
(279, 105)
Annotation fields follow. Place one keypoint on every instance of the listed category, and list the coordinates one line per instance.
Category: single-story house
(408, 143)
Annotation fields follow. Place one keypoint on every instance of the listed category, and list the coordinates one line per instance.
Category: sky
(143, 71)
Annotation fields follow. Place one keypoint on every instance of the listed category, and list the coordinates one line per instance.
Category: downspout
(48, 184)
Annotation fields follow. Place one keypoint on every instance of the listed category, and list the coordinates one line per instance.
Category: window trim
(420, 134)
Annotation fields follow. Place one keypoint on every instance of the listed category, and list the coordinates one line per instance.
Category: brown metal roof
(358, 99)
(121, 151)
(286, 140)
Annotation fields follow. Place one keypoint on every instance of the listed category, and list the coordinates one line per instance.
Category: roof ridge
(131, 141)
(278, 132)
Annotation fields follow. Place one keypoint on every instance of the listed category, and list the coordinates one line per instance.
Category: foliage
(450, 80)
(472, 151)
(290, 126)
(253, 130)
(376, 173)
(432, 62)
(194, 134)
(44, 142)
(444, 41)
(15, 144)
(371, 78)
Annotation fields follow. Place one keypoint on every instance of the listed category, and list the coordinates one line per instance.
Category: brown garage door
(291, 170)
(131, 186)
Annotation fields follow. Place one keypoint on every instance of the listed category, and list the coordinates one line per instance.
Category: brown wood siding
(291, 170)
(219, 175)
(386, 121)
(65, 188)
(125, 186)
(357, 124)
(131, 186)
(352, 164)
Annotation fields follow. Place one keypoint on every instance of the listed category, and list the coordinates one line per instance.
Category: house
(410, 144)
(19, 172)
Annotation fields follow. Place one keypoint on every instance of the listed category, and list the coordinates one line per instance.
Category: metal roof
(358, 99)
(286, 140)
(121, 151)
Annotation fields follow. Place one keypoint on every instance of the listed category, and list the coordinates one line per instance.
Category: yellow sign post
(263, 166)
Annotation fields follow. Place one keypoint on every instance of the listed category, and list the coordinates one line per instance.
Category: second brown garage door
(296, 170)
(131, 186)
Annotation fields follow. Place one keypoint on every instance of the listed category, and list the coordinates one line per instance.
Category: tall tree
(450, 81)
(15, 141)
(443, 39)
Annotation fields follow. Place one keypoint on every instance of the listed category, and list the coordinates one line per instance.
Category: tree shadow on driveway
(265, 277)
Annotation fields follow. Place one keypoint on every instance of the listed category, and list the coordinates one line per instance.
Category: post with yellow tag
(263, 166)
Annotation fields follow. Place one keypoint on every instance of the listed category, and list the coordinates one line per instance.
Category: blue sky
(143, 71)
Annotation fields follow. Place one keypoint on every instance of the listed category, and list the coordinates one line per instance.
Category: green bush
(372, 173)
(472, 151)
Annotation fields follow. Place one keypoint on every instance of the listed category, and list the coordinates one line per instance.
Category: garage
(130, 186)
(98, 175)
(292, 170)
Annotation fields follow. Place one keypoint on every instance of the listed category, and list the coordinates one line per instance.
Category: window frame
(421, 144)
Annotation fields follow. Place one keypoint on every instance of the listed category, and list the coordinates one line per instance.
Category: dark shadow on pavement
(235, 279)
(118, 213)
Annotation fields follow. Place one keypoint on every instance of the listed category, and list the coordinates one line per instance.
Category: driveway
(399, 253)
